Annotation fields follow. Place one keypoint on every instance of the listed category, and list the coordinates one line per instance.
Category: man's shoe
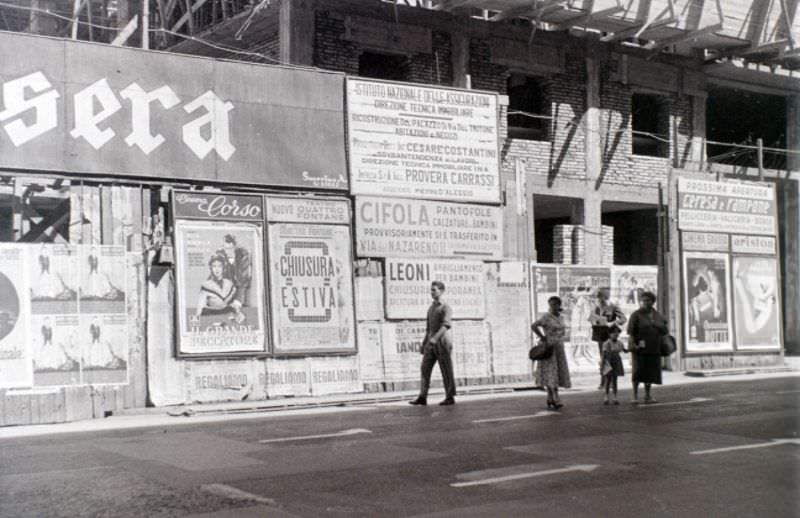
(419, 401)
(448, 401)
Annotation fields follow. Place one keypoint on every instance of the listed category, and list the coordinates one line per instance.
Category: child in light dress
(612, 364)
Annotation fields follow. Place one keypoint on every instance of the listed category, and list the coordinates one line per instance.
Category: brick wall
(333, 52)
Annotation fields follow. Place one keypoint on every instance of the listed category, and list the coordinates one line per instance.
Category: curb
(740, 370)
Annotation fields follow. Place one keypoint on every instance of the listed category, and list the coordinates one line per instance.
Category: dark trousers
(441, 353)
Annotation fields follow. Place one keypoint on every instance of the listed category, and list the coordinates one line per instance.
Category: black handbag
(667, 345)
(540, 351)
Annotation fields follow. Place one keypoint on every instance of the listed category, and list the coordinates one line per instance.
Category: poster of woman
(756, 308)
(54, 274)
(707, 304)
(220, 287)
(56, 350)
(105, 348)
(102, 286)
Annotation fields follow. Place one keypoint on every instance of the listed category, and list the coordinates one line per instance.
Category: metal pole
(760, 144)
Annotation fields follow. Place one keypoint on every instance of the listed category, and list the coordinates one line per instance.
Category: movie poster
(577, 287)
(220, 287)
(627, 285)
(105, 348)
(102, 279)
(756, 296)
(15, 359)
(56, 349)
(312, 291)
(54, 274)
(707, 304)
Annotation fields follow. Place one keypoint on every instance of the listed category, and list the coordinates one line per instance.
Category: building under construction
(564, 145)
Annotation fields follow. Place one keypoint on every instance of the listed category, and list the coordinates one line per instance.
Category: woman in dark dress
(646, 328)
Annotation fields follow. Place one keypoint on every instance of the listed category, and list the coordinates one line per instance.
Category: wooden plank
(75, 214)
(106, 216)
(17, 409)
(77, 403)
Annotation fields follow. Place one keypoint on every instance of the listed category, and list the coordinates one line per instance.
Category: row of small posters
(63, 318)
(221, 287)
(730, 267)
(493, 305)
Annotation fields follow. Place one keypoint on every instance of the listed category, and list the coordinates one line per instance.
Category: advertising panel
(334, 375)
(762, 245)
(104, 339)
(221, 380)
(288, 377)
(508, 315)
(755, 301)
(307, 210)
(726, 207)
(408, 287)
(15, 357)
(312, 292)
(388, 227)
(56, 349)
(422, 142)
(402, 342)
(370, 352)
(220, 300)
(102, 286)
(544, 284)
(705, 241)
(708, 302)
(222, 121)
(369, 298)
(577, 287)
(471, 352)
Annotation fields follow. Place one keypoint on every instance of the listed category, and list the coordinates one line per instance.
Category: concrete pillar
(591, 119)
(698, 130)
(592, 229)
(460, 59)
(297, 32)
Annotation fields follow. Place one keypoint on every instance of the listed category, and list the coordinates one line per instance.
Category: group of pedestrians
(646, 329)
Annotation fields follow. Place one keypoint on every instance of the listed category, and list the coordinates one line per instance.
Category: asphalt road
(705, 450)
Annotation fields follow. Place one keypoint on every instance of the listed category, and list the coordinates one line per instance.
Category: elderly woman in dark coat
(646, 328)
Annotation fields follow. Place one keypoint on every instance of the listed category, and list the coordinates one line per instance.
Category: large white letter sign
(16, 104)
(216, 117)
(86, 119)
(140, 114)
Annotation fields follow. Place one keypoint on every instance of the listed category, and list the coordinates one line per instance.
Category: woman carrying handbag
(646, 331)
(552, 372)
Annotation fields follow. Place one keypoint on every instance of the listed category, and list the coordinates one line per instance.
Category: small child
(612, 363)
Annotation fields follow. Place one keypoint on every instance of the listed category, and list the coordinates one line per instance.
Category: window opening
(392, 67)
(527, 116)
(650, 115)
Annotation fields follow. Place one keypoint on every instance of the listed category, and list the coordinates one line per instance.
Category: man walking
(437, 346)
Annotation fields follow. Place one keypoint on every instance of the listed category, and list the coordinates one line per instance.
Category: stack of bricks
(607, 245)
(578, 244)
(562, 244)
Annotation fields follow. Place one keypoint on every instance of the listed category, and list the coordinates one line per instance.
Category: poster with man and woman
(220, 287)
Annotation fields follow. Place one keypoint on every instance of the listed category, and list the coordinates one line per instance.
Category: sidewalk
(241, 410)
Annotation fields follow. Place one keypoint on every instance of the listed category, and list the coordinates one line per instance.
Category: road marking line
(496, 480)
(543, 413)
(788, 392)
(673, 403)
(236, 494)
(343, 433)
(774, 442)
